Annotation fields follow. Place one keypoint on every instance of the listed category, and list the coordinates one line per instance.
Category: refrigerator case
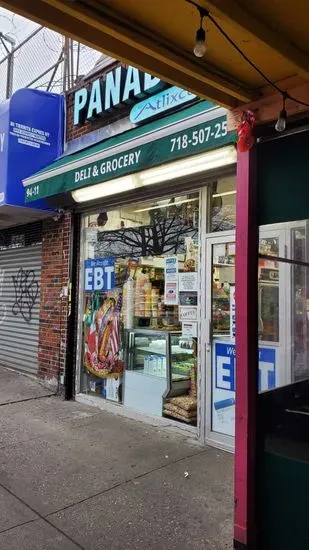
(159, 366)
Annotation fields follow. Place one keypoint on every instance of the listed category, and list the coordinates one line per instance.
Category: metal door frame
(283, 232)
(212, 438)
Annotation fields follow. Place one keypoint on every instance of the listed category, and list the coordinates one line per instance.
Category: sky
(15, 26)
(38, 55)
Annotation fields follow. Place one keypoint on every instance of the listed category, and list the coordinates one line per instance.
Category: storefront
(156, 269)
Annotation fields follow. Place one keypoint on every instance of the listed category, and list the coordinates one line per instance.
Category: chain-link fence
(45, 60)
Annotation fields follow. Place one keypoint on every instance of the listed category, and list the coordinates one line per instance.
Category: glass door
(273, 302)
(274, 363)
(220, 345)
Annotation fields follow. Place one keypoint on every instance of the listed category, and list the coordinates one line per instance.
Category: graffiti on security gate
(26, 292)
(2, 304)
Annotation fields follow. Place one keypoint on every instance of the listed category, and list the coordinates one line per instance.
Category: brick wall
(53, 307)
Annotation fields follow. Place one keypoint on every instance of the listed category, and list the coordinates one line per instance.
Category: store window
(273, 296)
(140, 323)
(283, 304)
(223, 204)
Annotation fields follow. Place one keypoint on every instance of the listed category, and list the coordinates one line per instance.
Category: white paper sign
(189, 329)
(188, 282)
(171, 268)
(171, 280)
(92, 234)
(187, 313)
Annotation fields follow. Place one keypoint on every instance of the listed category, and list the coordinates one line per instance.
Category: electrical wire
(205, 13)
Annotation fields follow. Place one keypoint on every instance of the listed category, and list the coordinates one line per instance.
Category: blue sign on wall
(225, 367)
(4, 124)
(31, 137)
(100, 274)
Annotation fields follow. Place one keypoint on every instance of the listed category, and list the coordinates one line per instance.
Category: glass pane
(223, 271)
(183, 356)
(149, 354)
(223, 204)
(283, 306)
(141, 276)
(268, 288)
(300, 305)
(223, 338)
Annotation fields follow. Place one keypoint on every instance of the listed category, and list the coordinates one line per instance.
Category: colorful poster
(171, 293)
(99, 274)
(171, 281)
(223, 388)
(102, 334)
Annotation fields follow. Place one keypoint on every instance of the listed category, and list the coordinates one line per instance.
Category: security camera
(59, 215)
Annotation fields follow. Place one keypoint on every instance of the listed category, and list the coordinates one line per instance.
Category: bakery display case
(159, 365)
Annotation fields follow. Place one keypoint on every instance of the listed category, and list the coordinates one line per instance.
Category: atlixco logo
(157, 104)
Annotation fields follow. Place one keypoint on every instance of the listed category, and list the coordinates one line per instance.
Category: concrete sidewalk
(74, 477)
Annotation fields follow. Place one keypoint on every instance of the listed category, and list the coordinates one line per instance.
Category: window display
(268, 290)
(223, 205)
(223, 280)
(140, 284)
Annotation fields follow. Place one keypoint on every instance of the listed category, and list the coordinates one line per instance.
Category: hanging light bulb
(200, 43)
(282, 119)
(200, 39)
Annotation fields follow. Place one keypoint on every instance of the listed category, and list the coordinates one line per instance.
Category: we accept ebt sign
(225, 360)
(99, 274)
(224, 383)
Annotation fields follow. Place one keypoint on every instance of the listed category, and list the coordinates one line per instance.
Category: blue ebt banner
(225, 367)
(100, 274)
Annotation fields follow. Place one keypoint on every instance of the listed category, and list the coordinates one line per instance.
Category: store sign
(120, 86)
(197, 139)
(31, 137)
(99, 274)
(224, 382)
(187, 313)
(159, 103)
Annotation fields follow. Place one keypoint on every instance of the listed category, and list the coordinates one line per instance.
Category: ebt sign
(99, 274)
(225, 367)
(120, 86)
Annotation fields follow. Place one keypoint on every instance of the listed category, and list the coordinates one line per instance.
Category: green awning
(196, 129)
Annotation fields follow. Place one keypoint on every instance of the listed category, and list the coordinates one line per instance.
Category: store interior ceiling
(159, 38)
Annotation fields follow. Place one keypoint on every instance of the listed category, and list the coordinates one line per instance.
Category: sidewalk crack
(126, 481)
(28, 399)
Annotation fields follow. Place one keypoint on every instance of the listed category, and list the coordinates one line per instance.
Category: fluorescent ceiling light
(224, 194)
(166, 205)
(105, 189)
(170, 171)
(192, 165)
